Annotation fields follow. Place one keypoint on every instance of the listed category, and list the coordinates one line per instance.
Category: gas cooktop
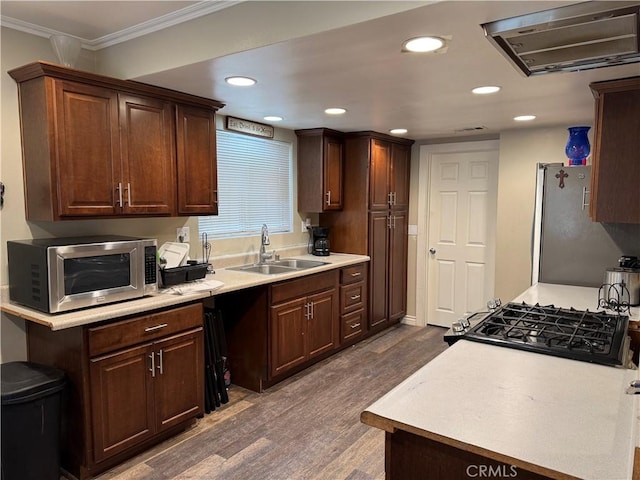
(596, 337)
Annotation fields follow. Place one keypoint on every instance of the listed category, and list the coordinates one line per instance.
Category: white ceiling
(359, 67)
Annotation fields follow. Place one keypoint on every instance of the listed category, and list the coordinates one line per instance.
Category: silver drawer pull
(157, 327)
(356, 274)
(355, 297)
(355, 325)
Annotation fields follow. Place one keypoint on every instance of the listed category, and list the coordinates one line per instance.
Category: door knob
(432, 251)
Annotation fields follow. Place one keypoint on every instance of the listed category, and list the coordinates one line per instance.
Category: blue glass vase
(578, 148)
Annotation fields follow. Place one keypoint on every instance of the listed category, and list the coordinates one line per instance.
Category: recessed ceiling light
(335, 111)
(398, 131)
(524, 118)
(423, 44)
(485, 90)
(240, 81)
(272, 118)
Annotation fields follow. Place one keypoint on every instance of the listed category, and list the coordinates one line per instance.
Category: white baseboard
(409, 320)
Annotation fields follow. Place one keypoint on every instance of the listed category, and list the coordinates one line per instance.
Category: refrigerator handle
(585, 192)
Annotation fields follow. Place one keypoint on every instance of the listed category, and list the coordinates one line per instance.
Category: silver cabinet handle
(355, 297)
(156, 327)
(129, 193)
(160, 362)
(355, 325)
(432, 251)
(311, 309)
(328, 194)
(119, 189)
(395, 198)
(585, 192)
(394, 222)
(390, 198)
(306, 310)
(356, 274)
(153, 364)
(389, 221)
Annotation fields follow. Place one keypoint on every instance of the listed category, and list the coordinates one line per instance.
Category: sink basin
(265, 269)
(298, 264)
(286, 265)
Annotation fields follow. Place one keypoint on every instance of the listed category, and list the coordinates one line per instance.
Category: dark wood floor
(306, 427)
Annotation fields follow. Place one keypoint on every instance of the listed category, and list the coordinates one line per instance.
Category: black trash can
(31, 398)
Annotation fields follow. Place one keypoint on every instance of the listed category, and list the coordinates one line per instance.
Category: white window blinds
(254, 187)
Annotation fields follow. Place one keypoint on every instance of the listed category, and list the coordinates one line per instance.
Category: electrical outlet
(182, 234)
(305, 224)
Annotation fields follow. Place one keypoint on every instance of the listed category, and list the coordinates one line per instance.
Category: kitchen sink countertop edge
(232, 281)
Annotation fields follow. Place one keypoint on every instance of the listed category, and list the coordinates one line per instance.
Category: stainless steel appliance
(319, 241)
(624, 280)
(568, 248)
(596, 337)
(61, 274)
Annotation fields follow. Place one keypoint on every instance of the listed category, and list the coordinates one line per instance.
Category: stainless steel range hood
(576, 37)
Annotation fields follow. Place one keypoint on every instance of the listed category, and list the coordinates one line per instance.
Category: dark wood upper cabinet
(147, 156)
(95, 146)
(197, 161)
(320, 170)
(615, 177)
(389, 175)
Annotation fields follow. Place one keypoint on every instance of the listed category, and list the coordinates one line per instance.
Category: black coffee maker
(319, 241)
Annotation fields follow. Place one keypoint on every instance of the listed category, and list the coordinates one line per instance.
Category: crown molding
(191, 12)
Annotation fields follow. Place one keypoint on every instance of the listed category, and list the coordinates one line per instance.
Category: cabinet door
(197, 161)
(399, 176)
(288, 340)
(378, 252)
(322, 326)
(616, 168)
(379, 175)
(87, 164)
(398, 238)
(122, 402)
(179, 378)
(333, 155)
(148, 155)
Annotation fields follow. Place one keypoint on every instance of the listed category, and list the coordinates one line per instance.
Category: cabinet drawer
(352, 324)
(125, 333)
(352, 297)
(300, 287)
(355, 273)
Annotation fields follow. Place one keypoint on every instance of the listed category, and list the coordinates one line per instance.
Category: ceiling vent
(576, 37)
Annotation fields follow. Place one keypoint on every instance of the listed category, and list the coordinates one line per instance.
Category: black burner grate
(577, 334)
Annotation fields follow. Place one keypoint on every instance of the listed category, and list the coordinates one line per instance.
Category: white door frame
(426, 157)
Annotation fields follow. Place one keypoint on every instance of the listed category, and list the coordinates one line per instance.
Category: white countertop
(565, 417)
(230, 281)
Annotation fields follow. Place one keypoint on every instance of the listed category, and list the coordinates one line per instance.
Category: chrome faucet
(264, 241)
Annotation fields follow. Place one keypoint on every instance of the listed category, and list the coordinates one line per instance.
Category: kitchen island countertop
(557, 417)
(226, 280)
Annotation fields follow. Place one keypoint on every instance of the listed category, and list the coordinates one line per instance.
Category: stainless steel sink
(285, 265)
(297, 263)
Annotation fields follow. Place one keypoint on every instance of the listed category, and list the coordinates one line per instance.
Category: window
(254, 187)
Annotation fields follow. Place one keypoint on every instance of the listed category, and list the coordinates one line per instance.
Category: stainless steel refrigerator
(568, 248)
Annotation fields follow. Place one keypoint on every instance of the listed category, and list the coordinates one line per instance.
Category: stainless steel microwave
(61, 274)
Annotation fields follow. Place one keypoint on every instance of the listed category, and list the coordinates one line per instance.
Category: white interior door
(461, 220)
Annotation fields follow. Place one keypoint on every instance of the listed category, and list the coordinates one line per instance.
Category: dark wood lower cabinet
(412, 457)
(275, 331)
(131, 383)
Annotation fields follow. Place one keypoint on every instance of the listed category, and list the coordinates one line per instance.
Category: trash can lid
(21, 382)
